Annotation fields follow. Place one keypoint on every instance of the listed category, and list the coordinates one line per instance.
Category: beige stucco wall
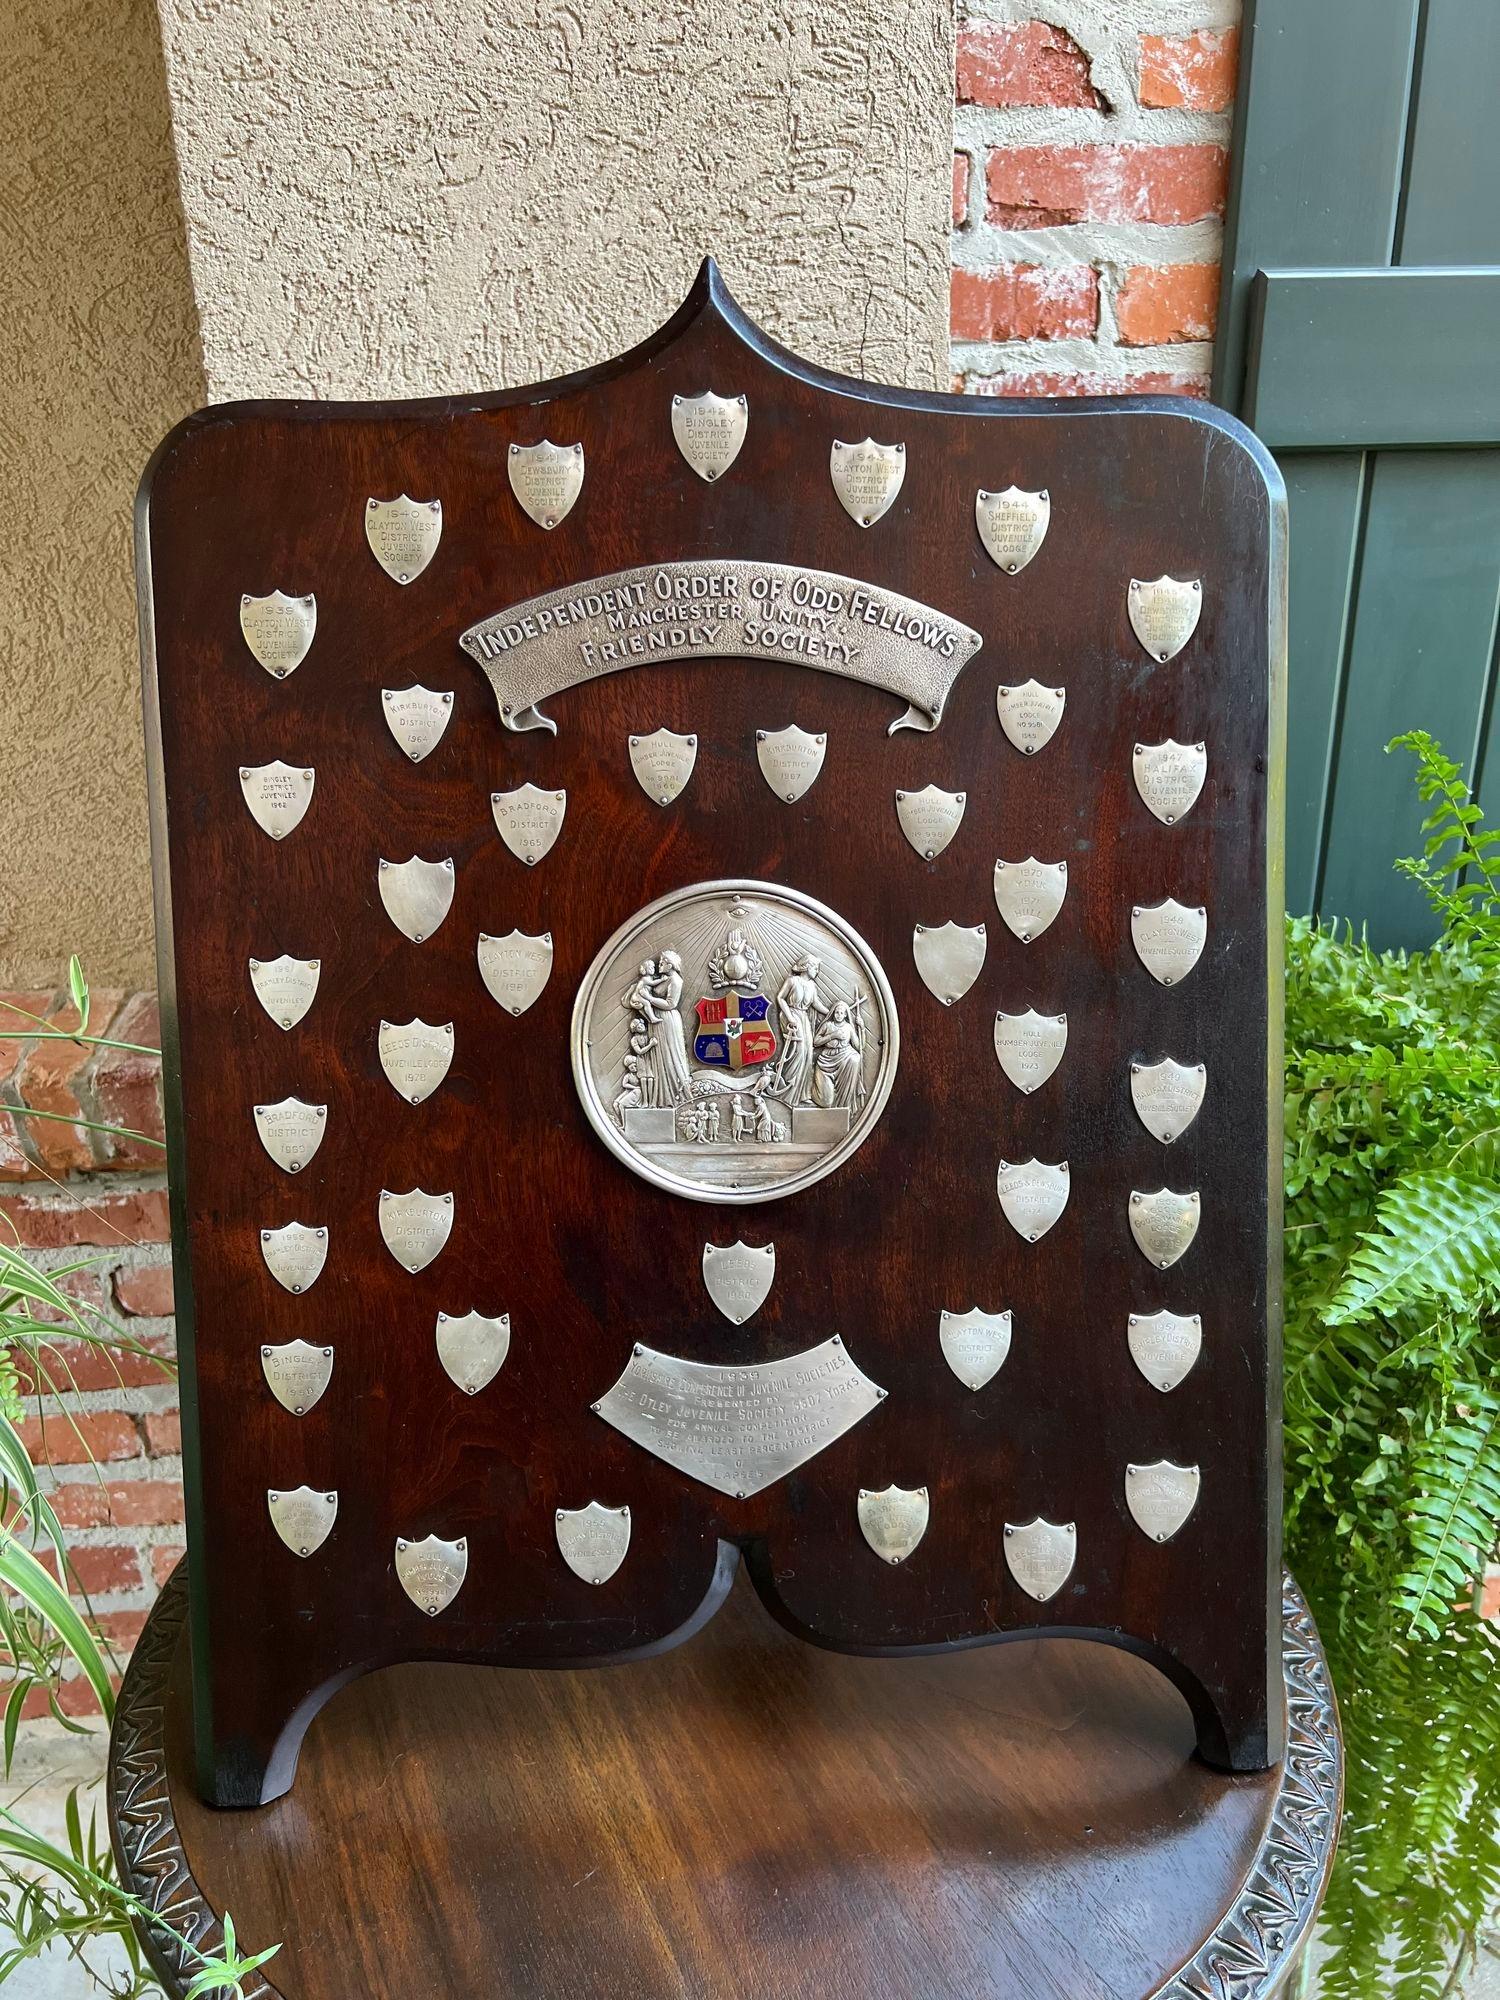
(100, 343)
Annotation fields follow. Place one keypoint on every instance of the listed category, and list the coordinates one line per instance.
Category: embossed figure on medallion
(1164, 615)
(790, 760)
(949, 957)
(297, 1374)
(1029, 894)
(1168, 938)
(415, 1226)
(1030, 1046)
(417, 894)
(930, 818)
(515, 968)
(285, 986)
(1032, 1195)
(416, 716)
(529, 820)
(975, 1344)
(1164, 1224)
(472, 1348)
(1040, 1555)
(291, 1131)
(277, 795)
(739, 1278)
(415, 1056)
(1164, 1346)
(279, 630)
(1169, 776)
(893, 1520)
(709, 431)
(303, 1518)
(593, 1540)
(546, 479)
(1029, 714)
(1167, 1096)
(785, 1067)
(432, 1571)
(1161, 1497)
(663, 762)
(1012, 525)
(295, 1254)
(403, 534)
(867, 478)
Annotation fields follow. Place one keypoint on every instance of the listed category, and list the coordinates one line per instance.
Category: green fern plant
(1393, 1397)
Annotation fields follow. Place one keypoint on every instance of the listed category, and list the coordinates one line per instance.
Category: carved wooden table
(745, 1816)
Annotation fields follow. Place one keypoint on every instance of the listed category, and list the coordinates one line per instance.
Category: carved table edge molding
(1250, 1954)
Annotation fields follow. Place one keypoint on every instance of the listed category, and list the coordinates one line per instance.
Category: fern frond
(1438, 1240)
(1454, 1515)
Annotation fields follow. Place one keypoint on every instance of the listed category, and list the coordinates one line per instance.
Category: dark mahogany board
(586, 1257)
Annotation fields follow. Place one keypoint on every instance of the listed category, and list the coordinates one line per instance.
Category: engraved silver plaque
(1169, 776)
(277, 794)
(974, 1344)
(867, 477)
(416, 717)
(285, 987)
(295, 1255)
(279, 630)
(663, 762)
(415, 1226)
(734, 1041)
(529, 820)
(1040, 1556)
(1161, 1496)
(1029, 714)
(930, 818)
(739, 1429)
(1168, 938)
(415, 1056)
(515, 968)
(789, 760)
(297, 1374)
(1032, 1195)
(302, 1518)
(1164, 1346)
(739, 1278)
(1167, 1096)
(593, 1539)
(291, 1131)
(949, 958)
(709, 430)
(432, 1571)
(417, 895)
(1030, 1046)
(1164, 615)
(472, 1348)
(720, 608)
(403, 534)
(1029, 894)
(546, 479)
(1012, 525)
(893, 1520)
(1164, 1224)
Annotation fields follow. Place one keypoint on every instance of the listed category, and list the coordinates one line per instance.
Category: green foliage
(1393, 1397)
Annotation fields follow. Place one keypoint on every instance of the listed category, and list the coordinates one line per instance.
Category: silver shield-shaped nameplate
(515, 968)
(1164, 615)
(278, 630)
(1164, 1224)
(416, 717)
(417, 895)
(663, 762)
(285, 986)
(709, 430)
(1029, 894)
(529, 820)
(303, 1519)
(295, 1255)
(277, 794)
(1030, 1046)
(974, 1344)
(291, 1131)
(1169, 776)
(1012, 525)
(1040, 1556)
(739, 1278)
(893, 1520)
(297, 1374)
(403, 534)
(432, 1571)
(593, 1539)
(546, 479)
(415, 1226)
(1168, 938)
(1029, 714)
(930, 818)
(867, 477)
(1164, 1346)
(1161, 1496)
(1032, 1195)
(415, 1056)
(472, 1348)
(1167, 1096)
(789, 760)
(949, 958)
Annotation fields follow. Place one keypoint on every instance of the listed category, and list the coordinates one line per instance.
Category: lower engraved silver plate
(529, 820)
(295, 1255)
(930, 818)
(416, 717)
(1168, 938)
(1032, 1195)
(1169, 776)
(1012, 525)
(1029, 714)
(893, 1520)
(515, 968)
(302, 1518)
(432, 1571)
(415, 1226)
(1164, 1224)
(297, 1374)
(709, 430)
(1029, 894)
(1167, 1096)
(285, 987)
(593, 1539)
(1040, 1555)
(1164, 1346)
(277, 795)
(1164, 615)
(1029, 1046)
(739, 1429)
(546, 479)
(949, 957)
(415, 1056)
(867, 478)
(975, 1344)
(790, 760)
(417, 895)
(278, 630)
(403, 534)
(739, 1278)
(472, 1348)
(291, 1131)
(663, 762)
(1161, 1496)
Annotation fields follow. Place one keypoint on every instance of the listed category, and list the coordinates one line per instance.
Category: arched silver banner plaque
(416, 716)
(415, 1056)
(403, 534)
(515, 968)
(1030, 1046)
(415, 1226)
(930, 818)
(709, 431)
(529, 820)
(663, 762)
(1164, 1224)
(893, 1520)
(1161, 1496)
(472, 1348)
(1012, 525)
(279, 630)
(1032, 1195)
(1164, 1346)
(285, 986)
(277, 795)
(291, 1131)
(1164, 615)
(303, 1518)
(949, 957)
(790, 760)
(295, 1254)
(417, 894)
(1029, 714)
(739, 1279)
(297, 1374)
(975, 1344)
(1169, 939)
(546, 479)
(432, 1571)
(1167, 1096)
(1040, 1555)
(1029, 894)
(593, 1540)
(1169, 776)
(867, 478)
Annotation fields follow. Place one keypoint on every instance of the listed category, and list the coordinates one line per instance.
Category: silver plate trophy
(975, 1344)
(515, 968)
(529, 820)
(1164, 1346)
(303, 1517)
(546, 479)
(1167, 1096)
(403, 534)
(867, 478)
(415, 1226)
(277, 795)
(710, 430)
(279, 630)
(739, 1278)
(472, 1348)
(1169, 939)
(417, 894)
(295, 1254)
(432, 1571)
(1030, 714)
(1169, 777)
(1161, 1497)
(1029, 894)
(893, 1520)
(593, 1540)
(790, 760)
(416, 716)
(1030, 1046)
(1164, 1224)
(663, 762)
(291, 1131)
(1040, 1555)
(297, 1373)
(1012, 525)
(1032, 1195)
(930, 818)
(415, 1056)
(285, 987)
(1164, 615)
(949, 957)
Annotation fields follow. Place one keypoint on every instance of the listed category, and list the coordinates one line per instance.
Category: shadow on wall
(101, 337)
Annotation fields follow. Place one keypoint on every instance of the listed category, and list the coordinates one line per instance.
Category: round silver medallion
(734, 1042)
